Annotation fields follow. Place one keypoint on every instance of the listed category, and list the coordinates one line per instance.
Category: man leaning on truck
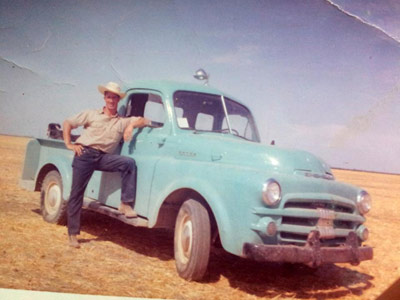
(103, 130)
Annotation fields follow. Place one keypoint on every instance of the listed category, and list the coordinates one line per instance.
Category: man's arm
(136, 122)
(67, 128)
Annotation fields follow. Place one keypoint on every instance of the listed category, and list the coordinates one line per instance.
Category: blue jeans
(82, 169)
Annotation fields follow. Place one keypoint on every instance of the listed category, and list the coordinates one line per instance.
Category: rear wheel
(192, 240)
(52, 205)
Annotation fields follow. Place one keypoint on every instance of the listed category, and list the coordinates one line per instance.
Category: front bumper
(312, 253)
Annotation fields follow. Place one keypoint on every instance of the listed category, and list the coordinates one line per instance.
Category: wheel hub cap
(53, 198)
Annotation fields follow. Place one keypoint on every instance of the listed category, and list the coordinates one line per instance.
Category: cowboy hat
(111, 87)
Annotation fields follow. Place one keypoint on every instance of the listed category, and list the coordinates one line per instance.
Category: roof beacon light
(202, 75)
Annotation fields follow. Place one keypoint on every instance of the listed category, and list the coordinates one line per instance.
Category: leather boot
(73, 241)
(127, 210)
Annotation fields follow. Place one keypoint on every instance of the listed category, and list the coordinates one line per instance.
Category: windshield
(205, 112)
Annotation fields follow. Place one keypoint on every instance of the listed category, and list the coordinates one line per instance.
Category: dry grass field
(120, 260)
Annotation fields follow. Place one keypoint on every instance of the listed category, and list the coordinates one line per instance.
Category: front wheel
(52, 204)
(192, 240)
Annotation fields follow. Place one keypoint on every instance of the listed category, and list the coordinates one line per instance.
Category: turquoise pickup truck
(203, 173)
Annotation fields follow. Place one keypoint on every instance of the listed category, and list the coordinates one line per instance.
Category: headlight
(363, 202)
(271, 192)
(363, 233)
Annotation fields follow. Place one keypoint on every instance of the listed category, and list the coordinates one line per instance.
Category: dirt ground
(121, 260)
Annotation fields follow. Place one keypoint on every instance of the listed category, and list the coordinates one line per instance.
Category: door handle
(216, 156)
(161, 141)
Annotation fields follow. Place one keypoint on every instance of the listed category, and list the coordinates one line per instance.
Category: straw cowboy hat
(111, 87)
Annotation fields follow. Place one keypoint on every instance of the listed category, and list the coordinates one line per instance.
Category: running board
(113, 213)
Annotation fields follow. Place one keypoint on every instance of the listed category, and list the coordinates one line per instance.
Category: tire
(52, 205)
(192, 240)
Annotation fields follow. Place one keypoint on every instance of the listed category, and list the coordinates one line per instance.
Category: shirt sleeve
(80, 119)
(125, 121)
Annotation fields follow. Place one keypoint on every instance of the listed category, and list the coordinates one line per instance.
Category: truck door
(146, 148)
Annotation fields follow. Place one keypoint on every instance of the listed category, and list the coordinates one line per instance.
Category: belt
(93, 149)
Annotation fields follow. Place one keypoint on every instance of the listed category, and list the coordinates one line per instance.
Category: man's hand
(136, 122)
(76, 148)
(67, 139)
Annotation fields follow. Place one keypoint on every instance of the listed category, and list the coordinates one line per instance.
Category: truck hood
(228, 149)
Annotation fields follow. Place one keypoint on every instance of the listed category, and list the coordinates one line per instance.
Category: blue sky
(323, 76)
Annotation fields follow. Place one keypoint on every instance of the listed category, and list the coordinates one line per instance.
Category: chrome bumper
(312, 253)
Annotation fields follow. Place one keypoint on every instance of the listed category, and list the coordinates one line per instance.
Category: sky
(321, 76)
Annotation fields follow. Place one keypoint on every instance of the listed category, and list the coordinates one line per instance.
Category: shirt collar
(101, 112)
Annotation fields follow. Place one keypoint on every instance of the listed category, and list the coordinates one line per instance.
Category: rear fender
(55, 157)
(31, 163)
(64, 172)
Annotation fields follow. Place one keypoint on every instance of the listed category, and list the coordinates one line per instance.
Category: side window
(154, 109)
(149, 106)
(182, 122)
(239, 124)
(204, 122)
(179, 112)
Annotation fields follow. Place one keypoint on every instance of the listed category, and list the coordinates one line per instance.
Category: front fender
(208, 192)
(226, 188)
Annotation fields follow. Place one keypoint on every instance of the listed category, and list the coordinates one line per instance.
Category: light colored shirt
(100, 131)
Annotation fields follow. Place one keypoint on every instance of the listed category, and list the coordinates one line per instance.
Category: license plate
(326, 213)
(325, 223)
(326, 232)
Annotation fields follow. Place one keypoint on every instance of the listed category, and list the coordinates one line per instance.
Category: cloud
(364, 152)
(362, 123)
(241, 56)
(307, 137)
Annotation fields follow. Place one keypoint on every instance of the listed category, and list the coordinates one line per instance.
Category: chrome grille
(333, 216)
(315, 204)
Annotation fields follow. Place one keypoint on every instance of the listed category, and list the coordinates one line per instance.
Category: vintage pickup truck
(203, 173)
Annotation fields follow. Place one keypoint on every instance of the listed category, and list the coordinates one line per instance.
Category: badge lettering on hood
(187, 154)
(308, 173)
